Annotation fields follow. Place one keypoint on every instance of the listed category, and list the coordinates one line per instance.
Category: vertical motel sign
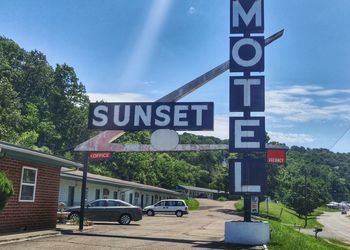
(247, 94)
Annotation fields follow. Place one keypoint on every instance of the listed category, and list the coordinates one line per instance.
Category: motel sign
(247, 95)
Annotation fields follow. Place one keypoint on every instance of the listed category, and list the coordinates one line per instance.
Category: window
(179, 203)
(170, 203)
(99, 203)
(28, 184)
(160, 204)
(117, 204)
(97, 194)
(115, 195)
(105, 193)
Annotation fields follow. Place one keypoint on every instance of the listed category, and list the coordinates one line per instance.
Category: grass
(192, 204)
(286, 238)
(327, 209)
(339, 243)
(279, 212)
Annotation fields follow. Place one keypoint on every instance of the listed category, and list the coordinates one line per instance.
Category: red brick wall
(40, 214)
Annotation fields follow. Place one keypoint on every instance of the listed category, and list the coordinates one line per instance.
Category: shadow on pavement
(229, 211)
(193, 243)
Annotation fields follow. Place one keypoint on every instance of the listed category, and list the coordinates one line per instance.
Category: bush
(192, 204)
(222, 198)
(6, 189)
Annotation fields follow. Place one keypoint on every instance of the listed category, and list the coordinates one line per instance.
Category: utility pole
(83, 192)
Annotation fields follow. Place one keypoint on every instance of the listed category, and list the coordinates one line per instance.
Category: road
(202, 229)
(336, 226)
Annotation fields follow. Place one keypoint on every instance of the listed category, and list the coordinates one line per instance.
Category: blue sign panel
(247, 16)
(247, 134)
(247, 94)
(247, 54)
(152, 115)
(247, 176)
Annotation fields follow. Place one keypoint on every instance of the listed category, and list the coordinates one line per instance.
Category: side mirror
(88, 205)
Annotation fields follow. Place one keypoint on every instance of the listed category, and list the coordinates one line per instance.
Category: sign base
(247, 233)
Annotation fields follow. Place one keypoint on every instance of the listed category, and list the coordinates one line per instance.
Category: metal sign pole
(83, 192)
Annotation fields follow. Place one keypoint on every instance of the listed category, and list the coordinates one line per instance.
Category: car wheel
(74, 216)
(150, 212)
(178, 213)
(125, 219)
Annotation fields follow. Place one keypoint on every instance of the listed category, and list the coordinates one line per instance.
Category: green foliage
(279, 212)
(222, 198)
(286, 238)
(6, 189)
(192, 204)
(41, 106)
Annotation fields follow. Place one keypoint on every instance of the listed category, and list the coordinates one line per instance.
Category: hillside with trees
(45, 108)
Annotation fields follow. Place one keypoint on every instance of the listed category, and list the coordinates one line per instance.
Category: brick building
(36, 178)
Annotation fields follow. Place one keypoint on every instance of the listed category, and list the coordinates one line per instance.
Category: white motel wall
(99, 187)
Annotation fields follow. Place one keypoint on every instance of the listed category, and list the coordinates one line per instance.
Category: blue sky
(137, 50)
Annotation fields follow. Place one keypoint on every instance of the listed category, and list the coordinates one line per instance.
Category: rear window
(179, 203)
(117, 204)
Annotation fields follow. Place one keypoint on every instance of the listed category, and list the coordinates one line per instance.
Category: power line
(341, 137)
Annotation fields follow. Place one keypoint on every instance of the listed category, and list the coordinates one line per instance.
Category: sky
(140, 50)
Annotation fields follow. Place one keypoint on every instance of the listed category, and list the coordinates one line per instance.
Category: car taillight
(139, 210)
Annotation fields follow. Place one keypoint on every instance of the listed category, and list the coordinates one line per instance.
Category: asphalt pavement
(202, 229)
(336, 226)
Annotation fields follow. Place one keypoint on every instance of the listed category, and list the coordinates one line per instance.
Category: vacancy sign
(276, 156)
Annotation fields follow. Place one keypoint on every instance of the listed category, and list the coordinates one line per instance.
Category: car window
(99, 203)
(170, 203)
(159, 204)
(112, 203)
(179, 203)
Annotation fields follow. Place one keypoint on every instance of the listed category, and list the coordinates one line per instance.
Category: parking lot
(202, 229)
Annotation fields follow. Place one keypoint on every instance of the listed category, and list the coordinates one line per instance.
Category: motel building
(199, 192)
(102, 187)
(35, 177)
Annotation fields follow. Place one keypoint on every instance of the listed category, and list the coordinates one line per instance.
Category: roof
(21, 153)
(200, 189)
(76, 174)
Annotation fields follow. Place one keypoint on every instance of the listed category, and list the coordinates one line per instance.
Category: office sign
(152, 115)
(95, 156)
(247, 176)
(276, 156)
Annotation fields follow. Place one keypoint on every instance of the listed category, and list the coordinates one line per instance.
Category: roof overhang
(23, 154)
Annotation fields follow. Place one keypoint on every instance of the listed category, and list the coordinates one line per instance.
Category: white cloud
(117, 97)
(191, 10)
(305, 103)
(290, 137)
(221, 128)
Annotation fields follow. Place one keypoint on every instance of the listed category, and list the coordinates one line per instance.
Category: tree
(6, 189)
(303, 192)
(10, 114)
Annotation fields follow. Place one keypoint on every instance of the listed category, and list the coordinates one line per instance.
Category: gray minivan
(170, 206)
